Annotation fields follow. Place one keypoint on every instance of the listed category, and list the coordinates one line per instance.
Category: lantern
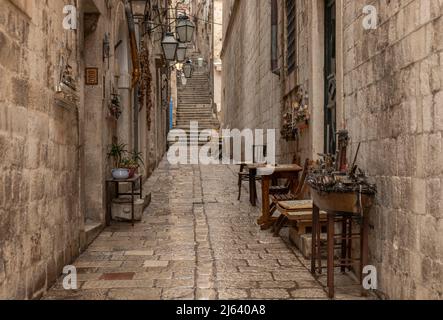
(184, 80)
(187, 69)
(169, 45)
(181, 52)
(185, 29)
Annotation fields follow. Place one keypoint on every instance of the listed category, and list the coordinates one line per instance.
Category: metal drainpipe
(133, 35)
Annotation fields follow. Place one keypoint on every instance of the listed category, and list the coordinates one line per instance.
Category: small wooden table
(252, 168)
(336, 204)
(269, 173)
(117, 182)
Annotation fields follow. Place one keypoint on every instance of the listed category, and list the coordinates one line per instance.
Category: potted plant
(133, 162)
(117, 152)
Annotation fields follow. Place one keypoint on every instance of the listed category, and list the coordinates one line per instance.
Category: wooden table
(252, 169)
(132, 181)
(335, 204)
(269, 173)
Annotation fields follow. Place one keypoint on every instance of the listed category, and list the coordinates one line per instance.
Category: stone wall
(202, 14)
(392, 104)
(218, 43)
(53, 159)
(41, 223)
(251, 93)
(389, 87)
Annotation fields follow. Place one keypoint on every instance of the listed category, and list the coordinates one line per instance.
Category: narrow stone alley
(196, 241)
(326, 116)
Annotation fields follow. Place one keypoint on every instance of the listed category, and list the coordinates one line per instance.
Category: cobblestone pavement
(196, 241)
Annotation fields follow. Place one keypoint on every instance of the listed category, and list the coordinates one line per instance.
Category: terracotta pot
(132, 172)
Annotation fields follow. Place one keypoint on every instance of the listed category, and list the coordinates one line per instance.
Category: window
(274, 36)
(291, 34)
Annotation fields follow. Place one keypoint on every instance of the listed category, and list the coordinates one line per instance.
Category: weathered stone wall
(389, 95)
(40, 220)
(202, 15)
(251, 93)
(218, 43)
(53, 159)
(393, 94)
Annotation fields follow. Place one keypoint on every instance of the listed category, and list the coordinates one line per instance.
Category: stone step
(204, 94)
(195, 102)
(200, 116)
(187, 131)
(201, 122)
(187, 126)
(195, 113)
(210, 124)
(194, 96)
(194, 86)
(191, 110)
(196, 105)
(195, 83)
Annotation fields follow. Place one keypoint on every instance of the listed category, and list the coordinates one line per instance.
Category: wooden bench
(297, 213)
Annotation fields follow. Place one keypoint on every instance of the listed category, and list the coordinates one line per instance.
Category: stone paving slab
(196, 241)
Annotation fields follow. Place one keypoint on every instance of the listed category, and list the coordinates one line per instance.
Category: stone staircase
(195, 106)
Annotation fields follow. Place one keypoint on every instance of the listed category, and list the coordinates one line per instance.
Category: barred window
(291, 34)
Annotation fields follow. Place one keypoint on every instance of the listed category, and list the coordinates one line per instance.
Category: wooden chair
(258, 157)
(291, 195)
(276, 189)
(291, 206)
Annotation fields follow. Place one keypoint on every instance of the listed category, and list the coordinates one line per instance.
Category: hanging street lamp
(184, 80)
(181, 52)
(169, 45)
(187, 69)
(185, 29)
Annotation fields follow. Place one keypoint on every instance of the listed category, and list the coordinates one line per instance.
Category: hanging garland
(145, 91)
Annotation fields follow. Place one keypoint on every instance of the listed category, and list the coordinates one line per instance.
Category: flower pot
(120, 174)
(132, 172)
